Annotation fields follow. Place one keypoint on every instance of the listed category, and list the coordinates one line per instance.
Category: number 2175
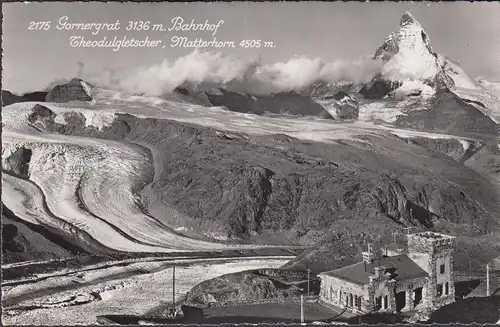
(39, 26)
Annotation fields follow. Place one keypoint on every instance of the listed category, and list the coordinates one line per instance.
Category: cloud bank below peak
(214, 69)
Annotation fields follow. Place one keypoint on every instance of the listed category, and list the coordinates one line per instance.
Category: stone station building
(392, 281)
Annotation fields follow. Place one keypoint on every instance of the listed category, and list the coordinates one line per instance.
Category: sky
(467, 32)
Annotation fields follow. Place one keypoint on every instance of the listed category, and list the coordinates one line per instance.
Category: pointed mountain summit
(408, 19)
(407, 54)
(408, 58)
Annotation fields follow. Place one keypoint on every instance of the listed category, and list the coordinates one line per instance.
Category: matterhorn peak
(407, 53)
(408, 19)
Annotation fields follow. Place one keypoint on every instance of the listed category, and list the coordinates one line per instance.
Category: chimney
(379, 271)
(368, 256)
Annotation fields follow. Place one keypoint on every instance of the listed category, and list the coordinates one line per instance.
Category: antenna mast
(173, 283)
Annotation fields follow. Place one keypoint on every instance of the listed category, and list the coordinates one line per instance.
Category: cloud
(213, 69)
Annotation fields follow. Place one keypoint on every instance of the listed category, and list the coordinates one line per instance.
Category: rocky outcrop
(346, 105)
(286, 103)
(247, 287)
(72, 123)
(23, 241)
(459, 150)
(378, 88)
(75, 90)
(449, 114)
(41, 115)
(18, 162)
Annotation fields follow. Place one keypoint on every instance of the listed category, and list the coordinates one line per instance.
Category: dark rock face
(40, 112)
(38, 96)
(10, 98)
(72, 91)
(346, 106)
(449, 114)
(22, 241)
(9, 239)
(302, 190)
(18, 162)
(389, 48)
(378, 88)
(42, 117)
(277, 104)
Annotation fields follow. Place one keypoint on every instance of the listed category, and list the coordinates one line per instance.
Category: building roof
(401, 268)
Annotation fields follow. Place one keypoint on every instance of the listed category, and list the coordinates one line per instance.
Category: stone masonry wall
(331, 288)
(438, 251)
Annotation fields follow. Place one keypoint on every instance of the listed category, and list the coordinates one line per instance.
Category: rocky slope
(281, 188)
(276, 105)
(75, 90)
(448, 113)
(251, 286)
(22, 241)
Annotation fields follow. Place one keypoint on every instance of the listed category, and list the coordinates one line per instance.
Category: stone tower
(433, 253)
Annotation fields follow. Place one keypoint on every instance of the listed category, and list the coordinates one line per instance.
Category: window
(378, 303)
(359, 302)
(439, 289)
(386, 302)
(446, 288)
(441, 269)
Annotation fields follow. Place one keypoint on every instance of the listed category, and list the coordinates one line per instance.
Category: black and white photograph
(202, 163)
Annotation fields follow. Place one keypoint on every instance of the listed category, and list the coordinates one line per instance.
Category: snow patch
(98, 119)
(60, 120)
(465, 144)
(412, 87)
(86, 88)
(379, 111)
